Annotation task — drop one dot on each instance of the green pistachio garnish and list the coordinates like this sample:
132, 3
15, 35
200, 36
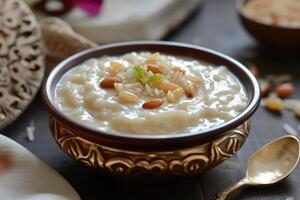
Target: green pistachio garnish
140, 73
154, 77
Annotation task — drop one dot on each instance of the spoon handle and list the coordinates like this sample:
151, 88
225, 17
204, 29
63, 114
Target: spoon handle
228, 192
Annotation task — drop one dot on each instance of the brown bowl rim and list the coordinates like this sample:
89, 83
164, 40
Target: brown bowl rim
150, 142
240, 3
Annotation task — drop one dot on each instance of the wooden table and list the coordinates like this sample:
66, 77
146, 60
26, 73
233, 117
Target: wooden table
214, 25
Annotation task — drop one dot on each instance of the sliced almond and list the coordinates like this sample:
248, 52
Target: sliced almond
152, 104
109, 82
171, 97
191, 89
166, 85
153, 58
197, 79
115, 67
178, 69
128, 97
178, 93
153, 68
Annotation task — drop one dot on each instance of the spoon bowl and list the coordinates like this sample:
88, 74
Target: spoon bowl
270, 164
274, 161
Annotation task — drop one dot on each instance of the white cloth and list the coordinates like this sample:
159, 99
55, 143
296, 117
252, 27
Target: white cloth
28, 178
121, 20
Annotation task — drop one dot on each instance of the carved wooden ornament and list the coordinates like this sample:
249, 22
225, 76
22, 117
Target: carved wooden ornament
22, 64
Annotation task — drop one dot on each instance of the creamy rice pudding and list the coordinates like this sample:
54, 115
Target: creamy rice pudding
144, 93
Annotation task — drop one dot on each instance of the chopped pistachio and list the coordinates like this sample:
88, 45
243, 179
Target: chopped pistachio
140, 73
154, 77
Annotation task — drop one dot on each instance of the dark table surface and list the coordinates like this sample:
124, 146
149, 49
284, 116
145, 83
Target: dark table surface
215, 25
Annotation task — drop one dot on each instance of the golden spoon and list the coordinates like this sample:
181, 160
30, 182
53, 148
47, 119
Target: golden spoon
268, 165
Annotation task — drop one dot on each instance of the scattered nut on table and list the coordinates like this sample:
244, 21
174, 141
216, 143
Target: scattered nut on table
285, 90
274, 104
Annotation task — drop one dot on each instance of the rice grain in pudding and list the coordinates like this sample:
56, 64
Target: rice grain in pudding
144, 93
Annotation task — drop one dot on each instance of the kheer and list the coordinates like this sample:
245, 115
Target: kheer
144, 93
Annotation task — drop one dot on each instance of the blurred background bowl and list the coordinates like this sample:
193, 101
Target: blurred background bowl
277, 37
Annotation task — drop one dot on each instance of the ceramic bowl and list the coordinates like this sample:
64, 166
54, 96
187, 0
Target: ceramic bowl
133, 154
277, 37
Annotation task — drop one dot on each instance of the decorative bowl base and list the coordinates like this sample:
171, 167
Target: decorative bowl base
182, 162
